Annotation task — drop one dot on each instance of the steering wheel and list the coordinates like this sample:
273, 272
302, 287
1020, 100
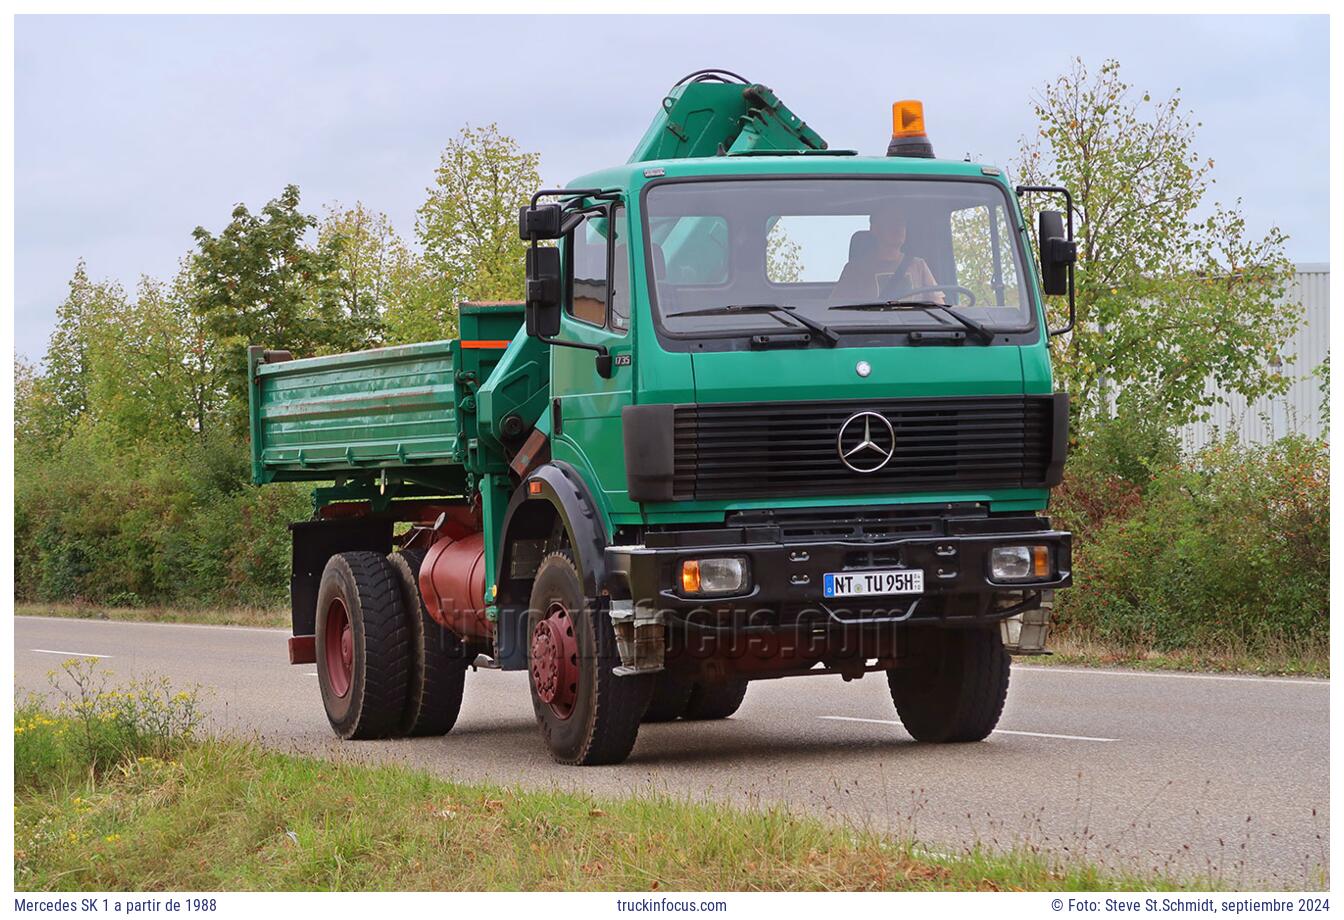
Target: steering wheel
943, 289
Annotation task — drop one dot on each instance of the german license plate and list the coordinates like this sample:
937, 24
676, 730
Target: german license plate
860, 584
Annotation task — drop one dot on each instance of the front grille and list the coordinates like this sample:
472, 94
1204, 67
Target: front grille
754, 450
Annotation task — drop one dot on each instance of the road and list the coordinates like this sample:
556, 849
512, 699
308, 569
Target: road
1179, 773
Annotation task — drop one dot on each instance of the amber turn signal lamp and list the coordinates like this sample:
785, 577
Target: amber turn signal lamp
1040, 561
534, 487
690, 576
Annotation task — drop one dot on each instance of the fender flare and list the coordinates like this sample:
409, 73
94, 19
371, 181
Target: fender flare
562, 487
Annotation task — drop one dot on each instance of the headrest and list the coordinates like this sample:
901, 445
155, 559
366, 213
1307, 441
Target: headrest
862, 246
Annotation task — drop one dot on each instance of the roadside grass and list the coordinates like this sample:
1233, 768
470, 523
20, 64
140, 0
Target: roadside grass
226, 815
117, 792
1283, 656
208, 616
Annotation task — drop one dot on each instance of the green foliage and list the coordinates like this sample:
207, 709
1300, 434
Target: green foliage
783, 257
468, 225
100, 519
1168, 295
132, 479
1231, 545
260, 283
97, 728
1138, 440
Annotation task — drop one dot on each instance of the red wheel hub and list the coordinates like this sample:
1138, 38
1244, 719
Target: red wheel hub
338, 647
555, 661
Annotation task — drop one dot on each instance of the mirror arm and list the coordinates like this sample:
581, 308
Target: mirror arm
604, 366
1068, 217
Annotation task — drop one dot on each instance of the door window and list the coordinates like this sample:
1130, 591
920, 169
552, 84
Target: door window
600, 273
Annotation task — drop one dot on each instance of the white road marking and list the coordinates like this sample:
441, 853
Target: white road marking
997, 731
1179, 675
280, 630
309, 673
52, 651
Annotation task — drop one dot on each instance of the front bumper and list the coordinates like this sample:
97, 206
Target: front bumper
786, 576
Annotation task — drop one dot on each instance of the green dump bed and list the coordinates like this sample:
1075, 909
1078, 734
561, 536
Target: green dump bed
329, 417
408, 410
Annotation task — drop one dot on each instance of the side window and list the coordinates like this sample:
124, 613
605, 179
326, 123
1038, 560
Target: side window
591, 286
588, 270
620, 272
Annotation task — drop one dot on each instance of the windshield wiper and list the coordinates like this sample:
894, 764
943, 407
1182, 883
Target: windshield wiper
986, 336
828, 335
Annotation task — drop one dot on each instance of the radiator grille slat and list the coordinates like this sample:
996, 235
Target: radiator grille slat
753, 450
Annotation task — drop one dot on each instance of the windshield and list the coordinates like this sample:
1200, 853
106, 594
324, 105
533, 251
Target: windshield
858, 256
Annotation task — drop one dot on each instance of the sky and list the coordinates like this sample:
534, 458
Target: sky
133, 130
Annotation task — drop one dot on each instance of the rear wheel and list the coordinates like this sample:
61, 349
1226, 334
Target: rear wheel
438, 663
671, 693
587, 714
363, 646
716, 701
956, 689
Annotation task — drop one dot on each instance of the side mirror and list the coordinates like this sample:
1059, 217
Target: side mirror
540, 221
1058, 252
543, 291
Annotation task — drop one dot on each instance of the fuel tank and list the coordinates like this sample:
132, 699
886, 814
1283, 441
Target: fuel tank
452, 584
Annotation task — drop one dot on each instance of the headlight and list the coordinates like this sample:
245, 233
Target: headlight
1019, 563
718, 575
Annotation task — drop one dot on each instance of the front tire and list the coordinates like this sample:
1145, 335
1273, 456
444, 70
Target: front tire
587, 714
715, 701
363, 646
956, 689
671, 693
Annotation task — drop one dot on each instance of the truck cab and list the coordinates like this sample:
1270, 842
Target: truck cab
770, 409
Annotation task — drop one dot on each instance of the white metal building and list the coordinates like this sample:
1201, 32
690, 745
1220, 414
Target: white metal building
1298, 410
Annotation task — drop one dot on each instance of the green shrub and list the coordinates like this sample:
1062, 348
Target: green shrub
100, 520
1231, 545
96, 728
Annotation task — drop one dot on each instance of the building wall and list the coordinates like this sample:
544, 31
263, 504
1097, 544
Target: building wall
1298, 410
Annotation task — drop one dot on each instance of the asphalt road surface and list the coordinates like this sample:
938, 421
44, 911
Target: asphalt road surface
1181, 773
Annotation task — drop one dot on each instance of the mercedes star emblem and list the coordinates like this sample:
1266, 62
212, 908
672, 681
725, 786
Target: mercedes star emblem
866, 442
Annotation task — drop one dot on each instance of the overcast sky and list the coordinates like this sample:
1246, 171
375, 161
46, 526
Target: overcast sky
131, 131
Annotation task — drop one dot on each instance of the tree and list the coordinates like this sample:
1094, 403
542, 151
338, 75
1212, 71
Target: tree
369, 255
468, 226
260, 283
783, 257
65, 376
1167, 299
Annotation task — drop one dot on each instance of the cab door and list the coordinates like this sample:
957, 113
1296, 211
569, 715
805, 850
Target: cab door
585, 406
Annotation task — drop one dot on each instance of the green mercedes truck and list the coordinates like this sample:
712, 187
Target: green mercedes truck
765, 409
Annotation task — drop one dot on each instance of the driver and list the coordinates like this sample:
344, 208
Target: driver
885, 271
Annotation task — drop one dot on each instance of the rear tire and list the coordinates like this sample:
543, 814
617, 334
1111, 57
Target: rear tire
671, 693
957, 687
363, 646
715, 701
587, 714
438, 663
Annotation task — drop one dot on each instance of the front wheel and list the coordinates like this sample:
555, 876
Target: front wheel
955, 689
587, 714
715, 701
